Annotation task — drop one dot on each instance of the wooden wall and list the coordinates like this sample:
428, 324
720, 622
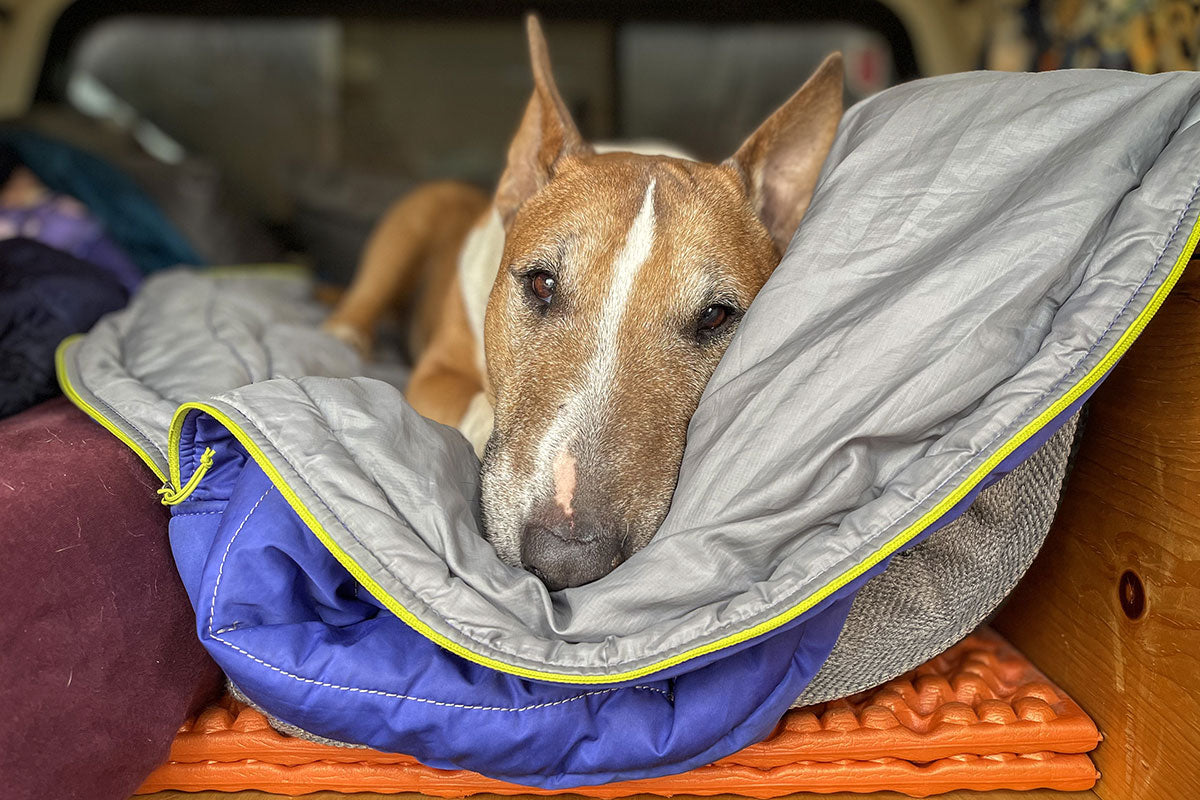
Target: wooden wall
1111, 608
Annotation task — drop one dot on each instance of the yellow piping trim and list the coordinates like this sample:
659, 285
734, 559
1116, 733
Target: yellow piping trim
172, 496
1094, 375
894, 544
60, 369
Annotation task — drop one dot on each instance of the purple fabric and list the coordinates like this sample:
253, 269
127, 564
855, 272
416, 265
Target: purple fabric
300, 638
64, 224
100, 661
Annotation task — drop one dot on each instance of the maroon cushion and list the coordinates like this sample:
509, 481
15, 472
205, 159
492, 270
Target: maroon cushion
99, 661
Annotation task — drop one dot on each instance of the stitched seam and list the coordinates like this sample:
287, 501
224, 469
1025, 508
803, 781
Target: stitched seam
1075, 367
161, 452
209, 323
212, 607
404, 519
463, 706
207, 318
967, 468
215, 636
366, 550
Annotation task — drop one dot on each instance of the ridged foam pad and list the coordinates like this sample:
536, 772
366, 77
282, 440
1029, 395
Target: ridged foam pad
979, 716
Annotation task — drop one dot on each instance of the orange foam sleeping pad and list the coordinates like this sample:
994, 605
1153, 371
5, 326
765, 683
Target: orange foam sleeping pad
980, 716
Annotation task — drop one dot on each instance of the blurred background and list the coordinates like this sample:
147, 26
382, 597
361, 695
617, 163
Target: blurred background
281, 130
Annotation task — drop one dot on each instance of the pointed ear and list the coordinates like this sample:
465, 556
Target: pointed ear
781, 160
545, 136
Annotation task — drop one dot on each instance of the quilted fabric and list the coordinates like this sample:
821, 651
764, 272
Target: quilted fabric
980, 250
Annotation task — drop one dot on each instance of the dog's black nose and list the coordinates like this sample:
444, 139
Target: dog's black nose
565, 551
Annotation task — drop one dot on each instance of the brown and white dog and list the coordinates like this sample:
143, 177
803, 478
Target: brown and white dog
572, 321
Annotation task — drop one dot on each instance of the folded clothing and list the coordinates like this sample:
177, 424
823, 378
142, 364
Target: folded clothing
30, 210
45, 296
129, 216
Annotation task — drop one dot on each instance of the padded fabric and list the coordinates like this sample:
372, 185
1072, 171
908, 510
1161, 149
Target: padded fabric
45, 295
101, 662
979, 252
190, 333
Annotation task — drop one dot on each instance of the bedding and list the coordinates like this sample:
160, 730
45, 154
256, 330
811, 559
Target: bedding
101, 664
45, 296
980, 251
130, 217
29, 210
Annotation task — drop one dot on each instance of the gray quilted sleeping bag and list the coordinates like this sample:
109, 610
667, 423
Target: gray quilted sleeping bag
980, 251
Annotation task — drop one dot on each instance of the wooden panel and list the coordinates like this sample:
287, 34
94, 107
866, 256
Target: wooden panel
1129, 651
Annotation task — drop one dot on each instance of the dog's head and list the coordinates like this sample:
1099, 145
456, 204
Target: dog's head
623, 279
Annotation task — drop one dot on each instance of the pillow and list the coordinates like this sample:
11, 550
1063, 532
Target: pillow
100, 664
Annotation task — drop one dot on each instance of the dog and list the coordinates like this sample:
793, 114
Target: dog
568, 324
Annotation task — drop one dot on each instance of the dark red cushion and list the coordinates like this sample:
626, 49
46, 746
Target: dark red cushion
99, 662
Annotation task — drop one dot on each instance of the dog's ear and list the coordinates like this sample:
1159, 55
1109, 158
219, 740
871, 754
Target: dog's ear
781, 160
546, 133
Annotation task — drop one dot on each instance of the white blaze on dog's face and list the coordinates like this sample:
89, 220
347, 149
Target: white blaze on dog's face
623, 279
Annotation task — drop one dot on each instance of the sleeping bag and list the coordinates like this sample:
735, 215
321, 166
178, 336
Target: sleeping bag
980, 251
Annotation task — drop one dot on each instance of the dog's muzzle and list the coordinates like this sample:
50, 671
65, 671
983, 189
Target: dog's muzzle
565, 551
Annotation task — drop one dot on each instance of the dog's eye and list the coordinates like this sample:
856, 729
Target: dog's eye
541, 285
714, 321
713, 317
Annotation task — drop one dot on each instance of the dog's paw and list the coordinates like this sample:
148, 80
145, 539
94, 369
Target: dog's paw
349, 335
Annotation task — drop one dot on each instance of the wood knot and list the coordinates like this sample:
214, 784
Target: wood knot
1132, 594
